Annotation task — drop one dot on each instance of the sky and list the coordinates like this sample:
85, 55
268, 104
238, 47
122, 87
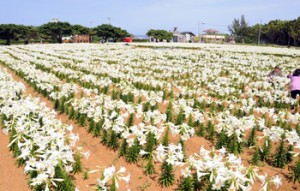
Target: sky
138, 16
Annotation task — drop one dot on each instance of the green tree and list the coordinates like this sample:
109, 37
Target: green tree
56, 30
29, 33
160, 35
107, 31
79, 29
239, 28
277, 32
9, 32
294, 30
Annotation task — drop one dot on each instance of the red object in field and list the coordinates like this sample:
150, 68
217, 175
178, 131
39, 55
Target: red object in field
127, 39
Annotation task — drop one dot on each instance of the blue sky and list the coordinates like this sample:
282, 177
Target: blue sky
138, 16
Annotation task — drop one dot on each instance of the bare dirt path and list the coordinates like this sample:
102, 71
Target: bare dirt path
12, 178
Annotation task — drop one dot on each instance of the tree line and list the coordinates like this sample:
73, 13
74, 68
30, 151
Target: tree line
280, 32
55, 31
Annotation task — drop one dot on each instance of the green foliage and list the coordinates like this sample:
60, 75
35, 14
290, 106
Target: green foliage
200, 129
233, 145
265, 153
113, 186
77, 166
212, 107
164, 95
123, 149
256, 157
97, 130
61, 105
146, 106
14, 146
268, 123
160, 35
295, 174
252, 138
113, 141
82, 119
132, 155
222, 140
107, 32
56, 104
67, 183
239, 113
56, 30
210, 131
195, 105
239, 28
11, 32
66, 108
275, 32
34, 174
130, 120
169, 112
297, 129
80, 30
165, 140
180, 117
104, 137
183, 150
202, 105
280, 156
167, 177
190, 121
149, 168
85, 175
114, 95
72, 113
186, 184
289, 155
40, 187
294, 30
154, 107
221, 107
92, 126
150, 143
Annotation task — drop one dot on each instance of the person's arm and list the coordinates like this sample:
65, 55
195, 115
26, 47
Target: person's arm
270, 74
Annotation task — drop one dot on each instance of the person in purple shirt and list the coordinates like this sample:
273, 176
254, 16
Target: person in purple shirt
295, 84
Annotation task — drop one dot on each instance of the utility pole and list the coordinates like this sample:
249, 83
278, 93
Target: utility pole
108, 18
258, 41
199, 23
91, 26
198, 29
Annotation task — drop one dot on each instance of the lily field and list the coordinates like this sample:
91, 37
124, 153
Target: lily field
149, 116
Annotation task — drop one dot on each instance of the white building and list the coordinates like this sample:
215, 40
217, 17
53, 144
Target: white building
212, 36
182, 36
